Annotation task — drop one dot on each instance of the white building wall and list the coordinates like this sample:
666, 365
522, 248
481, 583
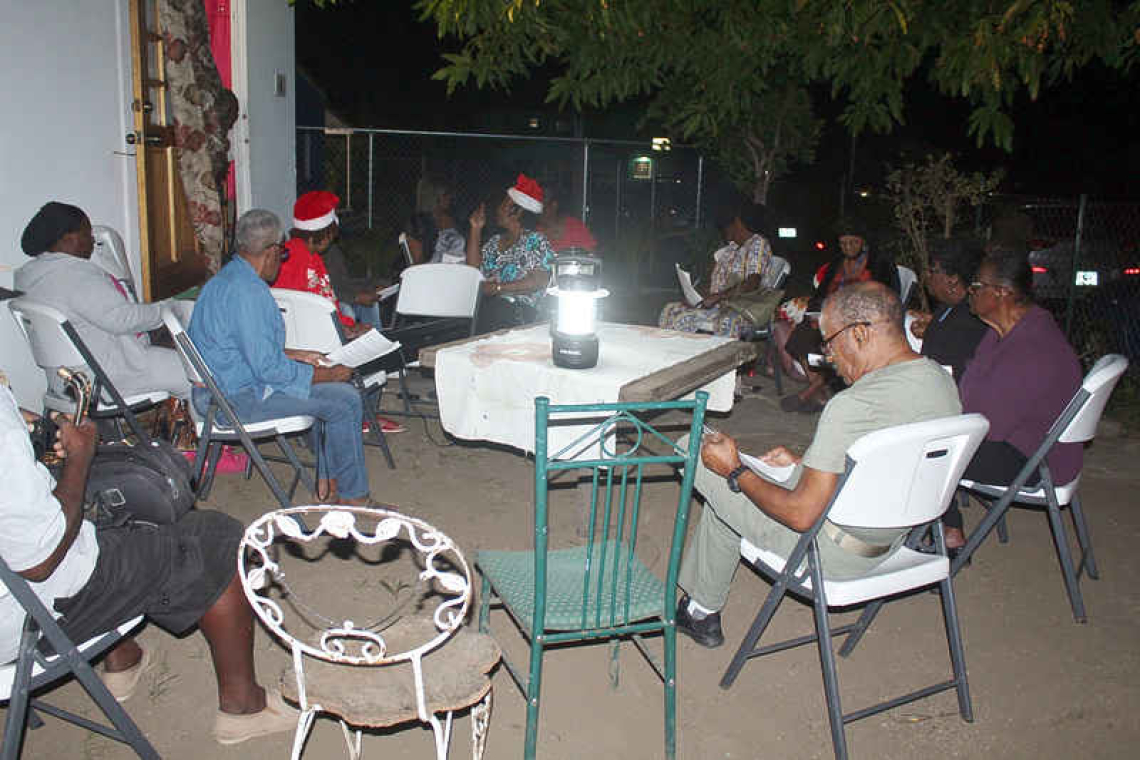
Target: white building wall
65, 90
265, 136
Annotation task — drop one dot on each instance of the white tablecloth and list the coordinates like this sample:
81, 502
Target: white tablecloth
487, 387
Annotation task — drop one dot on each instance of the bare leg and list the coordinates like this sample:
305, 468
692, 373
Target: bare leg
123, 656
228, 628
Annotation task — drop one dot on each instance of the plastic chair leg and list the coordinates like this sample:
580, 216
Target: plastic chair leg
957, 651
1002, 531
1061, 539
372, 407
861, 626
1088, 560
775, 596
827, 663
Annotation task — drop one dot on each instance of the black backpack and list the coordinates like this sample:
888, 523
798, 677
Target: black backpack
147, 482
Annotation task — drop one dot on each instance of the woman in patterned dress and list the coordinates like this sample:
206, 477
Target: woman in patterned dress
739, 267
515, 262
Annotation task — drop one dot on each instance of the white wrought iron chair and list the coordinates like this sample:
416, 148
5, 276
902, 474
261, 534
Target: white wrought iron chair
436, 303
56, 343
1077, 423
213, 430
901, 476
449, 667
32, 671
312, 323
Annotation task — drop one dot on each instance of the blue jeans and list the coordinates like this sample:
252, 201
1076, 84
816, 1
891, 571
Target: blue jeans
339, 413
369, 315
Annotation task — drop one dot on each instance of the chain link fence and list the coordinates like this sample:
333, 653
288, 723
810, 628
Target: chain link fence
641, 205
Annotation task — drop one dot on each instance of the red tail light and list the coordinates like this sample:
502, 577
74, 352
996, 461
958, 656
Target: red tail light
1039, 270
1131, 271
819, 245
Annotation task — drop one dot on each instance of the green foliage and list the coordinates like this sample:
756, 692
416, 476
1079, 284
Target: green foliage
718, 57
927, 197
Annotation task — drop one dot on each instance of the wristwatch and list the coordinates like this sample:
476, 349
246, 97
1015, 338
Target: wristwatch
733, 478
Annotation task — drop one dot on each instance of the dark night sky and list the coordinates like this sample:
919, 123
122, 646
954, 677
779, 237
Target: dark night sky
374, 60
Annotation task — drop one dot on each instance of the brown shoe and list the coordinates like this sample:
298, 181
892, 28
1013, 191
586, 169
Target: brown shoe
277, 717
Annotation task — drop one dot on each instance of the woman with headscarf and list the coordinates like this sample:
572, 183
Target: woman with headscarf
108, 320
516, 262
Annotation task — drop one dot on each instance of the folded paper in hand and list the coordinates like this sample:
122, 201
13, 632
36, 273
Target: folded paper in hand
371, 345
765, 470
692, 297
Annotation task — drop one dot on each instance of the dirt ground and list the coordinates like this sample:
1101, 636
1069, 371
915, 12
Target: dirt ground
1042, 685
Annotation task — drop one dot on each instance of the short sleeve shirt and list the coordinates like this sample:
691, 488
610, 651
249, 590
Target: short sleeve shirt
898, 394
32, 524
531, 251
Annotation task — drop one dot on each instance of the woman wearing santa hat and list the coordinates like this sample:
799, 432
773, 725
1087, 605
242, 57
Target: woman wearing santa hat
315, 228
515, 262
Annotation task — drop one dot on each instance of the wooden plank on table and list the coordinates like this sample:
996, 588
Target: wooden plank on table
674, 382
427, 353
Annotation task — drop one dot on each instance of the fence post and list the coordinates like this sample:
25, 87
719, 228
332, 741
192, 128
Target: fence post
1076, 261
585, 178
370, 135
652, 218
700, 185
348, 170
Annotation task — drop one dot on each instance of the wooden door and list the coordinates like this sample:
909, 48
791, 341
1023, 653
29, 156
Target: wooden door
170, 257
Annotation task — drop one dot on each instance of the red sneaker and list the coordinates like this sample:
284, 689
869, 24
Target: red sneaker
386, 425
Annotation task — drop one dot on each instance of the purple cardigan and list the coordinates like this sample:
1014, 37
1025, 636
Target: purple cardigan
1021, 383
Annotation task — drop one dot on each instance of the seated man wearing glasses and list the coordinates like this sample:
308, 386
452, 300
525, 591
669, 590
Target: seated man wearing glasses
862, 329
239, 331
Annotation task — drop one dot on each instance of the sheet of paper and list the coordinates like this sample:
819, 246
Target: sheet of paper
692, 297
391, 290
760, 467
371, 345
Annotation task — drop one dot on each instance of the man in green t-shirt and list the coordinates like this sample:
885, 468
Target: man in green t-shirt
862, 328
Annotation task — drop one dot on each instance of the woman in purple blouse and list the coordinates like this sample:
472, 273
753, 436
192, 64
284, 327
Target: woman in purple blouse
1022, 375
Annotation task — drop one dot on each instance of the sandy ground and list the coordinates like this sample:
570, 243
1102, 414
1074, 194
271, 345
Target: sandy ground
1043, 686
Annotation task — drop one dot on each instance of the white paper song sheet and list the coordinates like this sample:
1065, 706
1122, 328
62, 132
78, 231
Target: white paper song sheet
371, 345
692, 297
771, 472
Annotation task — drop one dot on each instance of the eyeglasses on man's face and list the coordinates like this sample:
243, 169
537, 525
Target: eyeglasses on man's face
280, 249
840, 331
978, 286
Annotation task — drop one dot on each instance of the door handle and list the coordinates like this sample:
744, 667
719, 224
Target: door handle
133, 139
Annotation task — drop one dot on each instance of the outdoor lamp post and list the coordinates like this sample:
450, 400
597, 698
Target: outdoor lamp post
574, 327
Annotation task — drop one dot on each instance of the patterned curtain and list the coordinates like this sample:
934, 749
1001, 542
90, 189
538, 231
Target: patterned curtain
204, 111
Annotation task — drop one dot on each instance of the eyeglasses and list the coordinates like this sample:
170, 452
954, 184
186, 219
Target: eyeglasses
840, 331
978, 285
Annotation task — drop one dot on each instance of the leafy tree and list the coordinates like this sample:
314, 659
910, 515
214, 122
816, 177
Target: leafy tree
722, 53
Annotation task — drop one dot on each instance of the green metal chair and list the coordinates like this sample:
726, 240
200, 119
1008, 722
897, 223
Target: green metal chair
598, 589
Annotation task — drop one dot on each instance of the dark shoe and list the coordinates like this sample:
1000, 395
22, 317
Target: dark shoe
791, 403
953, 552
705, 631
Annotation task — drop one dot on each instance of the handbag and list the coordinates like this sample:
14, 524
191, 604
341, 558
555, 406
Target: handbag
757, 306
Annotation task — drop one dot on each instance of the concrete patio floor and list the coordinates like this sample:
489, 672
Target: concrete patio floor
1043, 686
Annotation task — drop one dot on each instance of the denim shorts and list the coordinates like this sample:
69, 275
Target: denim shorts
172, 574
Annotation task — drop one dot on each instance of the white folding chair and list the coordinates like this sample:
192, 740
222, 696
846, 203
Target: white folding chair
110, 253
214, 431
898, 477
32, 670
437, 303
55, 343
907, 280
420, 624
1077, 423
312, 324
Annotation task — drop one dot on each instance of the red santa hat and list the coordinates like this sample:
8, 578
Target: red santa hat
315, 210
526, 193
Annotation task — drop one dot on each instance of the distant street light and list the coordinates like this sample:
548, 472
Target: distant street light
662, 144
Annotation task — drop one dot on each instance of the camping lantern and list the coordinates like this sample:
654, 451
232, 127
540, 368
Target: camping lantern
573, 329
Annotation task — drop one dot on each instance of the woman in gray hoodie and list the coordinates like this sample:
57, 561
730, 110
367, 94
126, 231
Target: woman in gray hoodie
112, 325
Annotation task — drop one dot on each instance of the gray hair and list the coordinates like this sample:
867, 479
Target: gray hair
868, 302
256, 230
